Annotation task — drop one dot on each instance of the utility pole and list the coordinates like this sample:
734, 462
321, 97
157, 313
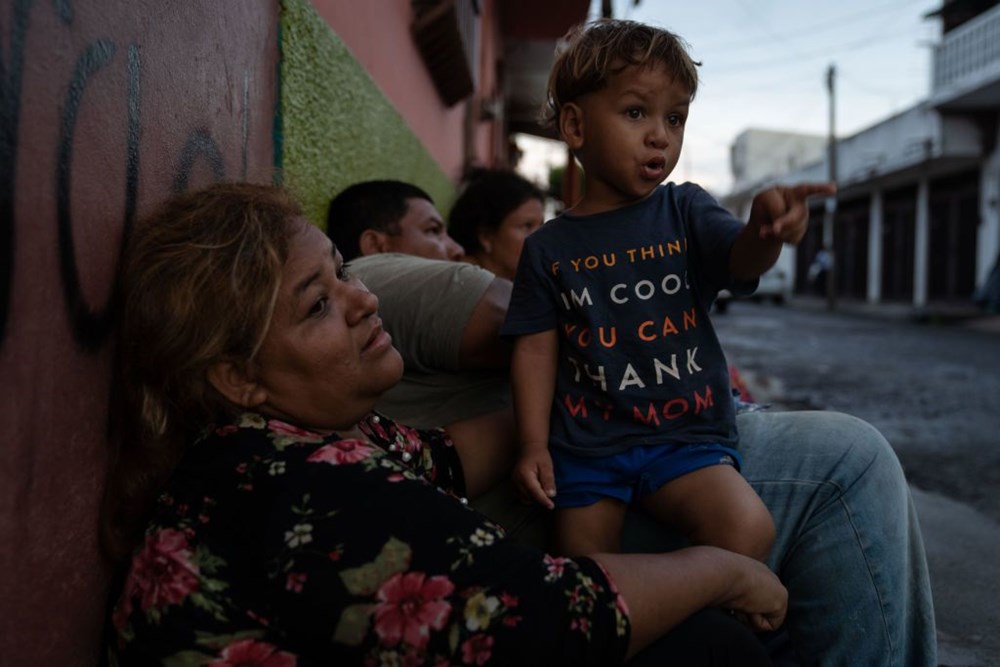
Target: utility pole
607, 12
829, 227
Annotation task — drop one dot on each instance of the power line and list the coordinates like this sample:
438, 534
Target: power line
879, 89
871, 41
809, 31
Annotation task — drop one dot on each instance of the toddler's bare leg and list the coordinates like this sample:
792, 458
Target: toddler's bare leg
597, 528
717, 507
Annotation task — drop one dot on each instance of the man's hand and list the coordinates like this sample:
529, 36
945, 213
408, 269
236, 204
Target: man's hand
781, 212
533, 477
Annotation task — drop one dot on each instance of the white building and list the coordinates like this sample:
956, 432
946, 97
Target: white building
758, 154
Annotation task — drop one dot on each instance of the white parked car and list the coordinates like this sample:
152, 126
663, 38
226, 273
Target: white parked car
775, 286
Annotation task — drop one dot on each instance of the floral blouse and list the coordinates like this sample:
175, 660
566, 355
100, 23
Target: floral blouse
275, 546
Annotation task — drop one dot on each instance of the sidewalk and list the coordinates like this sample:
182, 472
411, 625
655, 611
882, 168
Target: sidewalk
958, 314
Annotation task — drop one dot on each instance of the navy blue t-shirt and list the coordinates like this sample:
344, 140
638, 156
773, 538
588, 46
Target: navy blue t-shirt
629, 292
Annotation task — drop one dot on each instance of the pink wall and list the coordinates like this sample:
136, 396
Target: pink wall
109, 107
378, 34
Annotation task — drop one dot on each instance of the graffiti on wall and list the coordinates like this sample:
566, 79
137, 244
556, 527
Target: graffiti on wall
90, 323
105, 109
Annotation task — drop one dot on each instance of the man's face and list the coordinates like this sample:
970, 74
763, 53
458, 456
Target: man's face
422, 232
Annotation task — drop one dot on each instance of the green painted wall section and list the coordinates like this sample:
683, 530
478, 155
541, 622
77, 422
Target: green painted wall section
336, 127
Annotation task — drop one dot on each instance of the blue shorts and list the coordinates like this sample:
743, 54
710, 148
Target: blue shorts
632, 474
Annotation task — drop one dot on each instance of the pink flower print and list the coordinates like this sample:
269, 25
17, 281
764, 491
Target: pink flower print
508, 601
258, 618
292, 432
408, 437
556, 567
477, 649
227, 429
375, 425
395, 477
295, 581
252, 653
613, 587
162, 573
342, 452
410, 606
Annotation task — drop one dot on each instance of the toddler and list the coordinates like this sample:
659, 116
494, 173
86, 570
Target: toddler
621, 388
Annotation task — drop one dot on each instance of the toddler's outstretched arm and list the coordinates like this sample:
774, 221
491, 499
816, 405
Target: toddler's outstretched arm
778, 215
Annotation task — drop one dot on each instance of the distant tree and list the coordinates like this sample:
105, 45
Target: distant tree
556, 175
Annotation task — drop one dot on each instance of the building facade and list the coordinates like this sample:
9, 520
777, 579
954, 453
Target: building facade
917, 218
758, 154
416, 90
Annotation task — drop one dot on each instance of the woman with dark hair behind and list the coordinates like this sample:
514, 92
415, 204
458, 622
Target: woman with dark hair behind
495, 210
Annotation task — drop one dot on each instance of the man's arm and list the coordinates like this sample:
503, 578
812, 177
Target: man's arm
482, 347
443, 316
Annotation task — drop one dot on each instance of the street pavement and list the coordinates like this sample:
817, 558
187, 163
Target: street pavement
961, 543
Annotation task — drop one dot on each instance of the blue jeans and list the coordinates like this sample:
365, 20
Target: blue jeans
848, 546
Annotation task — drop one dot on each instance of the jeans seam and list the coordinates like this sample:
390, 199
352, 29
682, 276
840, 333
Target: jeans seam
871, 574
838, 497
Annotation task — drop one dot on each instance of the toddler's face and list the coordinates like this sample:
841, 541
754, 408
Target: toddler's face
630, 135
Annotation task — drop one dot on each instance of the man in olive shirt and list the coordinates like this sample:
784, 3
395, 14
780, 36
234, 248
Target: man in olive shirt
444, 316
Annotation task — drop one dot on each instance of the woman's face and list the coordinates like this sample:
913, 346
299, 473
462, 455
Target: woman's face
502, 247
325, 359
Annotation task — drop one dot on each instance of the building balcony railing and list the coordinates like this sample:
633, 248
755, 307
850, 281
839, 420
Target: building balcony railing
969, 54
